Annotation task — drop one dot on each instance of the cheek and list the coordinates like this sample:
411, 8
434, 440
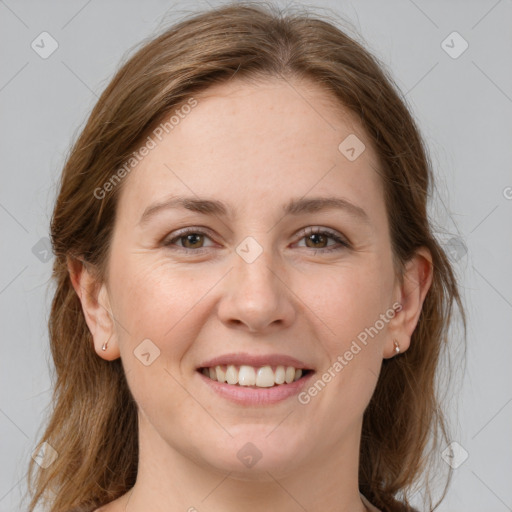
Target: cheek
154, 295
156, 309
163, 302
347, 300
349, 305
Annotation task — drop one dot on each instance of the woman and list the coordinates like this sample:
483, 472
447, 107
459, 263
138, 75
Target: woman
250, 303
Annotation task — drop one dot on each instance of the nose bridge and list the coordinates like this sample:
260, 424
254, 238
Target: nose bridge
254, 267
256, 296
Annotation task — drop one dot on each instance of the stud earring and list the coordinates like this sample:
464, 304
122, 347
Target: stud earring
397, 346
104, 346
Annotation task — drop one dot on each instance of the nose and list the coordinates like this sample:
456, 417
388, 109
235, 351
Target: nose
256, 296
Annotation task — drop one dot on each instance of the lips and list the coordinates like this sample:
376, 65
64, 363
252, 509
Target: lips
254, 371
254, 395
257, 361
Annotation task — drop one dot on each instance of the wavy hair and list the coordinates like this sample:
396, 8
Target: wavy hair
93, 420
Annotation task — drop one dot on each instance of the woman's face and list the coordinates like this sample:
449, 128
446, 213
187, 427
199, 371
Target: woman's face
245, 172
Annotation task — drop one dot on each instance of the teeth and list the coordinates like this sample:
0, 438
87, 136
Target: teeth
280, 375
221, 374
290, 374
231, 375
263, 377
247, 376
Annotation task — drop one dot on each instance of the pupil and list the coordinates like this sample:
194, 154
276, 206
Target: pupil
191, 237
315, 235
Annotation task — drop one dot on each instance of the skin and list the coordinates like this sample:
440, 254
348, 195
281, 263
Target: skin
253, 146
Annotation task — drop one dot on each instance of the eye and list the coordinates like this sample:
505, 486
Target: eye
191, 240
318, 237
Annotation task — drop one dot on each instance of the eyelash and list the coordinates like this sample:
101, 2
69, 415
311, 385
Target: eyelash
308, 232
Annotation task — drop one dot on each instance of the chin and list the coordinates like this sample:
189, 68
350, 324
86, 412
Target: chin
253, 455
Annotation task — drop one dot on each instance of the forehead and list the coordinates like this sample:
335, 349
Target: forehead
258, 144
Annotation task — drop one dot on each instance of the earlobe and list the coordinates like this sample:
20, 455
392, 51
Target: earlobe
411, 294
395, 348
95, 302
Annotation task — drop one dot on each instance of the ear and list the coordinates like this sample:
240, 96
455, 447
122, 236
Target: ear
96, 307
410, 294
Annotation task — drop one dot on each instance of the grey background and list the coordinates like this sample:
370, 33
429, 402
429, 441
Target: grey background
464, 109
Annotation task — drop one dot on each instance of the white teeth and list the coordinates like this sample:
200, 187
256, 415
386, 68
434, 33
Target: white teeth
290, 374
221, 374
280, 375
265, 378
231, 375
245, 375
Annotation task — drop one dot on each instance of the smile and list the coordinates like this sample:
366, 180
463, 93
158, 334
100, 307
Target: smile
250, 376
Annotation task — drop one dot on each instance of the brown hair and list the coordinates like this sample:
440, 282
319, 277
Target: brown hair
93, 424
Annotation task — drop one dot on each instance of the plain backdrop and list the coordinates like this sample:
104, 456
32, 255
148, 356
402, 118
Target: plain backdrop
461, 97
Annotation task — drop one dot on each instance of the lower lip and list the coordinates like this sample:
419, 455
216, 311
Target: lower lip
245, 395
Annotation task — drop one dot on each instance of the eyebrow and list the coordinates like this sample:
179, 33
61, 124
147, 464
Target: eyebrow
213, 207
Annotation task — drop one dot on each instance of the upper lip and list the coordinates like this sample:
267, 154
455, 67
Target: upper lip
239, 359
